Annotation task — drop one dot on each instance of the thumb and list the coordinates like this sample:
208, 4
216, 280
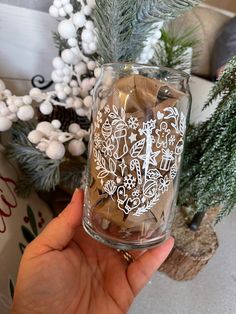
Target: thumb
60, 230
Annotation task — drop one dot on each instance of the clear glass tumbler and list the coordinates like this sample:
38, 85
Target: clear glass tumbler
137, 139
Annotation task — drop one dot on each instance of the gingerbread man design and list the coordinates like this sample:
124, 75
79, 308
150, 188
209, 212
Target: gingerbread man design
162, 134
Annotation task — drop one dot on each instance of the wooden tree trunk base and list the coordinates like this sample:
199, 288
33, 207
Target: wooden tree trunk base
192, 250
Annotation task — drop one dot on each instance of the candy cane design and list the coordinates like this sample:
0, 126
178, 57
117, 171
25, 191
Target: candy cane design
134, 164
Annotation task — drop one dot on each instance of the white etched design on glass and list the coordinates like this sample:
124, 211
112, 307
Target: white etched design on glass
136, 176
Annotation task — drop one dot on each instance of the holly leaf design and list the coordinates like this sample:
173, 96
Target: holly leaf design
112, 165
28, 235
32, 220
137, 148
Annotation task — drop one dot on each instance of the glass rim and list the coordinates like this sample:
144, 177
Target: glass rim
157, 67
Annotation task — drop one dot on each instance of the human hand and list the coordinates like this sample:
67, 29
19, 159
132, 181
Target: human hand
65, 271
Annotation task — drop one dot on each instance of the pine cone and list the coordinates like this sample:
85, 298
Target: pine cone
66, 117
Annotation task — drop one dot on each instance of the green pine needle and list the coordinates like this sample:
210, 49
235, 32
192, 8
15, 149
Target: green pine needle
209, 170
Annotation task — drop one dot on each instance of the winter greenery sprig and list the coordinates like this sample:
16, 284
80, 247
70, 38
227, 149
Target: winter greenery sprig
209, 170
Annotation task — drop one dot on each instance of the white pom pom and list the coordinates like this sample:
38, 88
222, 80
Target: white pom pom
12, 108
53, 11
58, 63
86, 85
4, 111
74, 83
87, 35
64, 2
25, 113
35, 93
78, 103
70, 102
97, 72
79, 19
89, 25
66, 79
5, 124
62, 12
67, 71
74, 128
2, 86
91, 3
92, 47
57, 3
55, 77
42, 146
61, 95
27, 100
45, 127
67, 56
87, 10
66, 29
81, 68
88, 101
75, 91
91, 65
55, 150
35, 136
56, 124
67, 90
72, 42
46, 108
68, 8
59, 88
93, 81
7, 93
82, 112
18, 102
76, 147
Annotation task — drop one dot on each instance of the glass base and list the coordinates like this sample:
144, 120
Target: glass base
122, 244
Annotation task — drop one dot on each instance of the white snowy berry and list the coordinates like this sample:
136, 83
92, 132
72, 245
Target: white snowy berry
78, 103
59, 87
25, 113
67, 90
66, 29
67, 71
57, 3
18, 102
45, 127
46, 108
76, 147
86, 84
75, 91
74, 83
62, 12
72, 42
92, 81
68, 8
74, 128
70, 102
58, 63
42, 146
87, 10
5, 124
4, 111
27, 100
56, 78
81, 68
56, 124
56, 150
53, 11
97, 72
79, 20
35, 136
68, 56
36, 94
66, 79
88, 101
91, 65
89, 25
91, 3
2, 86
12, 108
87, 35
61, 95
64, 2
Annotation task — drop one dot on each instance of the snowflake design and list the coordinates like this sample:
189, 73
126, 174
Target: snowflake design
133, 122
97, 141
135, 193
107, 148
164, 184
107, 109
129, 182
173, 171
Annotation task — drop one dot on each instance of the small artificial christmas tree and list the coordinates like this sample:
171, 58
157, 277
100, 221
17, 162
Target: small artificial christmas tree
208, 182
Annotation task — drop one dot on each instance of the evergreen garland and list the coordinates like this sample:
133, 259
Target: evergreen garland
209, 170
40, 172
123, 26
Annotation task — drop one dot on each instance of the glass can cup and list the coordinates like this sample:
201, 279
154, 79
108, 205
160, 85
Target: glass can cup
137, 139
